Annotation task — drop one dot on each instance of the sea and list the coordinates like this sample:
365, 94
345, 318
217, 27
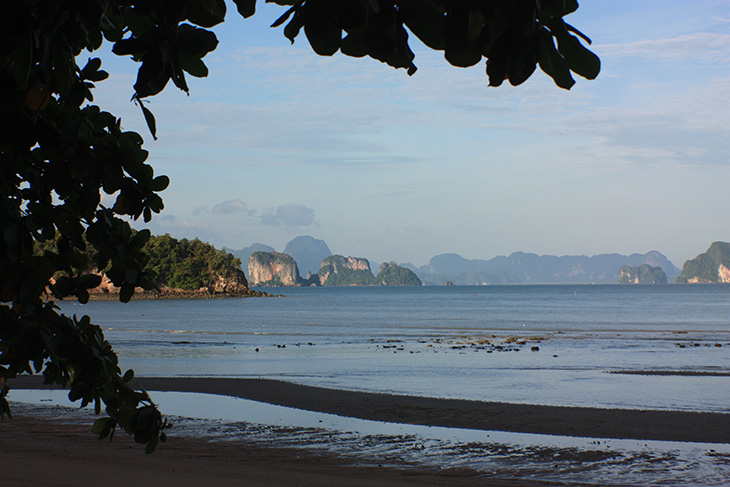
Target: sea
655, 347
664, 347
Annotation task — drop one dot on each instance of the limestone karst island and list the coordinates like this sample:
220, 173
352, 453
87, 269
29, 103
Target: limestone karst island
191, 268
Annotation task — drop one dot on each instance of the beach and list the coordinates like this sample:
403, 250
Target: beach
687, 426
54, 446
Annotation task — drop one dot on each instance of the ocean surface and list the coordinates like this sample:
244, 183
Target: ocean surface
649, 347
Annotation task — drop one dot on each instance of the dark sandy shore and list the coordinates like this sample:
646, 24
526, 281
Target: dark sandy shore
55, 448
522, 418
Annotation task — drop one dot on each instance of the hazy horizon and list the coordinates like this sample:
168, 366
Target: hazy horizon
279, 142
420, 264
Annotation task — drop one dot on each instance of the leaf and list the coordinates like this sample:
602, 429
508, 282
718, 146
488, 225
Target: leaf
206, 13
354, 45
245, 7
197, 42
22, 57
178, 76
92, 65
154, 203
551, 62
152, 445
62, 287
285, 16
579, 59
100, 75
129, 375
291, 31
103, 427
132, 45
126, 292
461, 48
498, 57
323, 35
426, 21
193, 65
149, 118
154, 73
521, 62
401, 56
5, 408
139, 239
558, 8
75, 393
352, 16
578, 33
89, 281
131, 275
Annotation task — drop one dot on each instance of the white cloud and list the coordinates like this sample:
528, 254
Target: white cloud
706, 47
289, 215
230, 206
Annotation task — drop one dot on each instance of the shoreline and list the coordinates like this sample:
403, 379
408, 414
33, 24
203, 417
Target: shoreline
175, 294
54, 446
686, 426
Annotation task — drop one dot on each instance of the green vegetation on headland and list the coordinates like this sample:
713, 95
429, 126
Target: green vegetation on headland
712, 266
179, 268
189, 264
643, 274
391, 274
338, 270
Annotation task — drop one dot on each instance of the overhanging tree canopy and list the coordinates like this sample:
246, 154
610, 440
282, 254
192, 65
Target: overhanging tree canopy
59, 152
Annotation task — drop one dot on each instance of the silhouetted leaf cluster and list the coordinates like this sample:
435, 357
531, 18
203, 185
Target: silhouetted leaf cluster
514, 36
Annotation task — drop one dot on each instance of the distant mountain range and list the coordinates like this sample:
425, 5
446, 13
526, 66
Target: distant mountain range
308, 252
517, 268
526, 268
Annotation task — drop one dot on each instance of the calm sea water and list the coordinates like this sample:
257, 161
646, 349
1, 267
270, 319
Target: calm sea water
561, 345
658, 347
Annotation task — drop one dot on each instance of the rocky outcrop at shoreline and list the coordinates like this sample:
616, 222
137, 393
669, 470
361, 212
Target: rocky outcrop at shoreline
173, 293
220, 287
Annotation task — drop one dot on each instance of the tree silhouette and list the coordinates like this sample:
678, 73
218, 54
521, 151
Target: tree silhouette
59, 153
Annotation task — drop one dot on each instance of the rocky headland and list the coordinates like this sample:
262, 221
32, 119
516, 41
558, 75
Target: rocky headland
713, 266
273, 269
643, 274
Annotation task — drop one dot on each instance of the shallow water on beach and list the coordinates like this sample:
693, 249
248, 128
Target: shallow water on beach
486, 454
656, 347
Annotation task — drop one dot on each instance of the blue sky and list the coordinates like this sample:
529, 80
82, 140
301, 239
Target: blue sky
279, 142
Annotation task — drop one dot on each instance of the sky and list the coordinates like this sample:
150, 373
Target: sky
279, 142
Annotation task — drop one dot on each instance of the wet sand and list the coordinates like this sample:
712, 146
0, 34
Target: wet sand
520, 418
55, 448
